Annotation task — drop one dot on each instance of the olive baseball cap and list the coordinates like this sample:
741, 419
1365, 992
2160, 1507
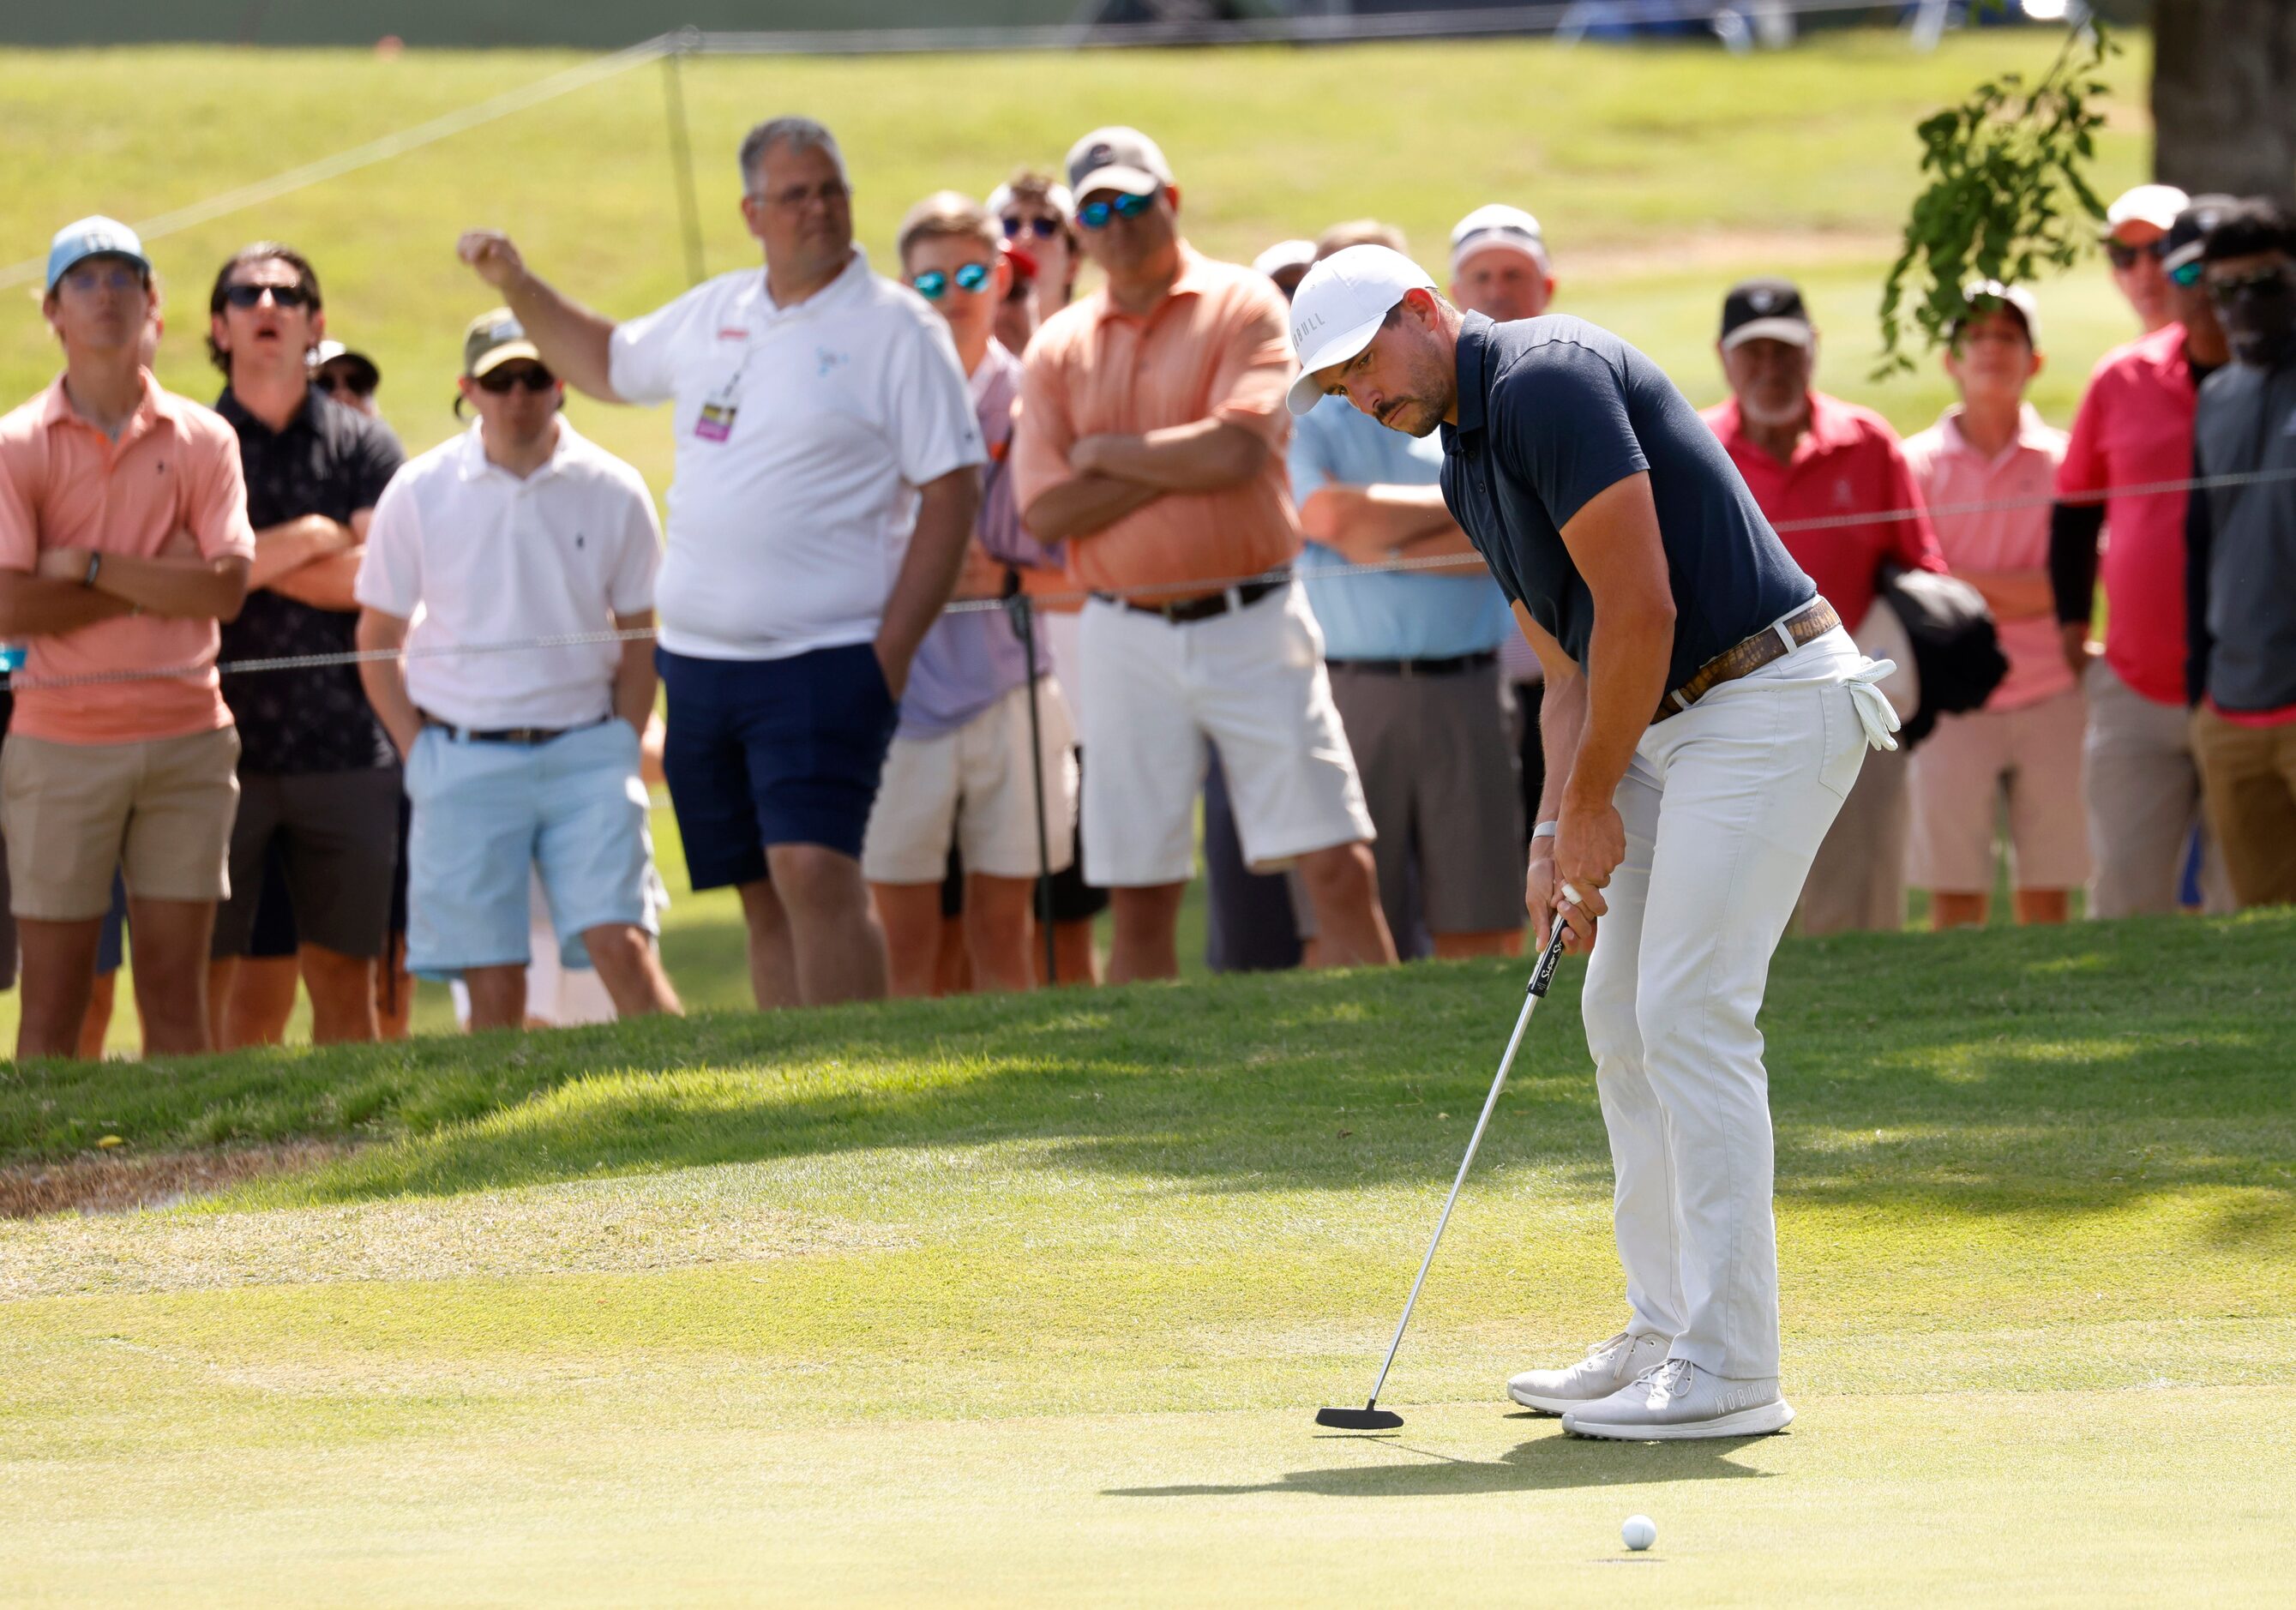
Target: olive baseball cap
493, 339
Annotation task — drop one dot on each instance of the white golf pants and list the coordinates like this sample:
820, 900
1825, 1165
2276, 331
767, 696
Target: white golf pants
1725, 805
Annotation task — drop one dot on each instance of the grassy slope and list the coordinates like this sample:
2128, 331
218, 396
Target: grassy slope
1028, 1299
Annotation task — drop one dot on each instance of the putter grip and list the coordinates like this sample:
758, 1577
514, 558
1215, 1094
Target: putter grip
1542, 975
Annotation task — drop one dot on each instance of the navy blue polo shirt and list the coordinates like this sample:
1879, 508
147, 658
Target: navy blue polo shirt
1553, 410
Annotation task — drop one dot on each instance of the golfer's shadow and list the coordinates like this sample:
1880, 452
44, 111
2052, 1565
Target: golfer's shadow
1554, 1461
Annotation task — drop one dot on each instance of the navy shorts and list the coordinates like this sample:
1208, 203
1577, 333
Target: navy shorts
772, 752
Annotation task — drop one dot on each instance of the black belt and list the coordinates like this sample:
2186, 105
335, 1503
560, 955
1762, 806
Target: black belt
1457, 665
1182, 611
1750, 654
525, 735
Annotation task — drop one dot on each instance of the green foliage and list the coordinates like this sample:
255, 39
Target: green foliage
2008, 192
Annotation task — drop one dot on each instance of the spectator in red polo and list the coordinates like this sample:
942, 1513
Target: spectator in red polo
1833, 478
2134, 430
2136, 239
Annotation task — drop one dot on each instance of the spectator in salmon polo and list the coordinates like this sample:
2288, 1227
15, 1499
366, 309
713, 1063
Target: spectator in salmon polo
1988, 470
2134, 429
518, 529
1150, 439
1037, 213
2136, 239
2241, 608
123, 541
1413, 663
826, 482
961, 759
317, 777
1816, 464
1500, 269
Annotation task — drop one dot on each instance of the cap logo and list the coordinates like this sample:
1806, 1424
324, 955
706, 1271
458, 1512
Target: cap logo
1307, 326
1762, 301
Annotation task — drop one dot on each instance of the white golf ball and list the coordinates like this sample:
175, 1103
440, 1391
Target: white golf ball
1638, 1533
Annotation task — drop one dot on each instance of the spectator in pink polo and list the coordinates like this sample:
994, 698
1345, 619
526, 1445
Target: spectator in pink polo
1986, 470
2134, 430
123, 541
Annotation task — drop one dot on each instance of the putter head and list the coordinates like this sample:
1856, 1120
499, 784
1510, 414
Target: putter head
1366, 1418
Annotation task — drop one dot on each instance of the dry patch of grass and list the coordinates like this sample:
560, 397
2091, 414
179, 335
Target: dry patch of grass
123, 1182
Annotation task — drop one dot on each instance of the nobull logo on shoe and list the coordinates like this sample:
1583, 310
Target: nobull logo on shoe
1738, 1397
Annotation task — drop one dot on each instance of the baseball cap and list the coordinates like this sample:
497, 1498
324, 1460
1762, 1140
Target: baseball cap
2155, 204
493, 339
1057, 196
93, 236
2015, 298
1338, 307
1117, 159
2189, 229
1765, 309
327, 351
1283, 255
1498, 226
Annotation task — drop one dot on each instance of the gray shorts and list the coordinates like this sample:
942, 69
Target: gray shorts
1439, 775
338, 835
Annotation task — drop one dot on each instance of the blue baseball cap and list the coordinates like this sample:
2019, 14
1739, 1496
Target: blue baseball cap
96, 236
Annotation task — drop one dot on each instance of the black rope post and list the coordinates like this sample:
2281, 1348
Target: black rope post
681, 149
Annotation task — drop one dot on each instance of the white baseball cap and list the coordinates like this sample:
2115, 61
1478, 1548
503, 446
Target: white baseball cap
1340, 307
1056, 197
2155, 204
2015, 298
1118, 158
1283, 255
1501, 226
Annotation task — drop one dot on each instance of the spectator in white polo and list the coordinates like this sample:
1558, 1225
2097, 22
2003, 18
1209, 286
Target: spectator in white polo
518, 529
1988, 470
826, 482
1413, 662
1501, 267
962, 759
1152, 439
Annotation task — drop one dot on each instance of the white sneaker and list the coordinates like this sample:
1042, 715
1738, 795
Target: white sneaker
1678, 1400
1607, 1367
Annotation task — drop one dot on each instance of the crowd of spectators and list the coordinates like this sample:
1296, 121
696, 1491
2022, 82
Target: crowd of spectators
977, 596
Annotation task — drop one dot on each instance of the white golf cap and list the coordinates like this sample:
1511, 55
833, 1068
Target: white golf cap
2155, 204
1340, 307
1498, 226
1283, 255
1056, 197
1118, 158
2015, 298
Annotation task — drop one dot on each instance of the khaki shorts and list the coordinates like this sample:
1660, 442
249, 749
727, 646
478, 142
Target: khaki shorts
1973, 764
160, 812
975, 787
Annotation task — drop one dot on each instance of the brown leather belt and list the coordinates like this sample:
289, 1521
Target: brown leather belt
1813, 620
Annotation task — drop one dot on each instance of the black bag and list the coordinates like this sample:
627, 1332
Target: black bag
1956, 653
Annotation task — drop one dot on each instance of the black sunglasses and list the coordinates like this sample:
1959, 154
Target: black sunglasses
1094, 214
1044, 229
284, 296
932, 284
534, 377
2263, 282
341, 385
2125, 256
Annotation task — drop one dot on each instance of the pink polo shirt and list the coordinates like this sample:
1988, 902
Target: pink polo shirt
2012, 535
65, 484
2134, 429
1848, 464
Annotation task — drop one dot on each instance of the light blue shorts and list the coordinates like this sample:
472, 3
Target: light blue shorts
573, 808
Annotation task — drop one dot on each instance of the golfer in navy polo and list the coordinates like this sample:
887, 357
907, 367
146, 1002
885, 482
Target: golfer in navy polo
1705, 716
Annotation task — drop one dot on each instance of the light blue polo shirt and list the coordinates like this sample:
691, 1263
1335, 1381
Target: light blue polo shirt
1404, 615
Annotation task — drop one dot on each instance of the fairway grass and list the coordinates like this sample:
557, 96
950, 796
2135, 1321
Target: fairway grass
1030, 1300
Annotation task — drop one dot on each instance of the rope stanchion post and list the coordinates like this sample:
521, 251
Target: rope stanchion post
681, 148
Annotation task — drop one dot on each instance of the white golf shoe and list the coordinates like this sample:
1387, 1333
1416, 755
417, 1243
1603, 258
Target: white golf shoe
1676, 1401
1607, 1367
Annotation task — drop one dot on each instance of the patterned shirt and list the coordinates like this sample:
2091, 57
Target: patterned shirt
332, 461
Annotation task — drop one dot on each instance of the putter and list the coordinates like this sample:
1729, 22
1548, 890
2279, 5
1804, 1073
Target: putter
1371, 1417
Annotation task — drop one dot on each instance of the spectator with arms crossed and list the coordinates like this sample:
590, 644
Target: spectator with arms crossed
123, 541
827, 482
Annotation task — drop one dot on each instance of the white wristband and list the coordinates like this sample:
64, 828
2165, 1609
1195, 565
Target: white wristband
1545, 830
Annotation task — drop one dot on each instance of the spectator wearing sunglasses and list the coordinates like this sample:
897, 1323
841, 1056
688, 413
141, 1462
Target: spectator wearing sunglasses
1037, 213
351, 378
2136, 239
2240, 601
1151, 438
123, 541
527, 764
962, 761
2134, 429
827, 477
1016, 311
319, 781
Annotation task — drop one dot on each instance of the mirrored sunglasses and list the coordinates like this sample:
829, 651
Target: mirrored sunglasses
934, 285
1094, 214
